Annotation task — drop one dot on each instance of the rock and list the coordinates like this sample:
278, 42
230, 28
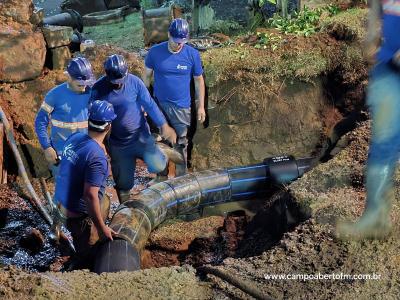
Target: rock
18, 10
57, 36
23, 55
37, 16
60, 57
32, 240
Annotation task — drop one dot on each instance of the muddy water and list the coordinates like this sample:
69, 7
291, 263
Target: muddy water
15, 222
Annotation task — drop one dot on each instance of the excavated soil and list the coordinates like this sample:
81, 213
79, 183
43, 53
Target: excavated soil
292, 233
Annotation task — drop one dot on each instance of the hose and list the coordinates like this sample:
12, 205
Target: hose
240, 283
34, 199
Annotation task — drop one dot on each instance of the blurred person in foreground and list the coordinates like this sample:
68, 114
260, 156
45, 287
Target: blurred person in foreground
383, 99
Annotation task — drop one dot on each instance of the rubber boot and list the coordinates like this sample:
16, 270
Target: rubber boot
375, 222
123, 195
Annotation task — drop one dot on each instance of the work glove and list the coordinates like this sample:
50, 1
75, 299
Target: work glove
51, 155
168, 133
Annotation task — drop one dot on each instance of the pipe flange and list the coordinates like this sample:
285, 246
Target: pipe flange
77, 18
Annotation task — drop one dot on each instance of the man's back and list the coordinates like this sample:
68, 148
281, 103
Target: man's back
83, 161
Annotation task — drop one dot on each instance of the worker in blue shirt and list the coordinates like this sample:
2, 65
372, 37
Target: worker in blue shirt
130, 136
383, 99
80, 185
173, 64
65, 107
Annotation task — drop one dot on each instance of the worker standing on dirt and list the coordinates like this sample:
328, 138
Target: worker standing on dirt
383, 98
65, 107
80, 186
130, 137
173, 64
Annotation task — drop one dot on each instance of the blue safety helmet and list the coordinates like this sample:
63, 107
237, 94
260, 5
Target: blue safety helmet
101, 113
80, 69
179, 30
116, 68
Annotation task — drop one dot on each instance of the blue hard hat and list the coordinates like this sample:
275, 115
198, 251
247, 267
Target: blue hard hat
179, 30
116, 68
80, 69
101, 111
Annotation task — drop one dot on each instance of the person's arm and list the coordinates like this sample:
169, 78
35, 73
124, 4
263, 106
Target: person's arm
91, 196
373, 36
147, 76
42, 121
96, 171
199, 85
148, 69
200, 93
152, 109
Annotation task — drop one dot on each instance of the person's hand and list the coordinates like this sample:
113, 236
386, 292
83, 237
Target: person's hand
201, 114
168, 133
50, 155
108, 232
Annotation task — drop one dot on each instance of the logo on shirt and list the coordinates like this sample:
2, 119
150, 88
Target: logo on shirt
66, 108
180, 67
70, 154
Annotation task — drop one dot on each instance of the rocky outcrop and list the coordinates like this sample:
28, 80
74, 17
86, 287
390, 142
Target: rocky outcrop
23, 49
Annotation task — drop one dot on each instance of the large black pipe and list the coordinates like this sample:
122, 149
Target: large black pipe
70, 18
135, 219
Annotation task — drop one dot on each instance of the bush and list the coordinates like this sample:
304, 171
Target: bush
227, 27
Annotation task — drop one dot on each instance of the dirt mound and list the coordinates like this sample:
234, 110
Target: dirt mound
163, 283
325, 194
98, 55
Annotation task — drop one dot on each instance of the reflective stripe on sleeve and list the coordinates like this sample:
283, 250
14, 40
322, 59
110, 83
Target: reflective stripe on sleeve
47, 108
72, 125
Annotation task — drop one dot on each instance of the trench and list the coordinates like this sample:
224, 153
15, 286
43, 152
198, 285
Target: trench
239, 229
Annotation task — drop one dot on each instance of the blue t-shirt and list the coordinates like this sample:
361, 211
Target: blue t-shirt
390, 30
128, 101
173, 72
67, 111
83, 160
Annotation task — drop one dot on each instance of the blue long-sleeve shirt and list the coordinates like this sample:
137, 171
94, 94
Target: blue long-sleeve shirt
130, 124
67, 111
390, 30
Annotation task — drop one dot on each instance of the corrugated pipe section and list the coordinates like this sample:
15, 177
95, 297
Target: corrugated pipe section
135, 219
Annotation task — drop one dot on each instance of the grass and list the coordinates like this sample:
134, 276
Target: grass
127, 34
354, 18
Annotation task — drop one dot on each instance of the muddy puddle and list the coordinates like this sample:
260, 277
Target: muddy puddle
24, 236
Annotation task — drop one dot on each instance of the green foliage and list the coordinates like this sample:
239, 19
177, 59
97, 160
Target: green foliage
268, 40
257, 21
262, 2
227, 27
303, 23
148, 4
332, 9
